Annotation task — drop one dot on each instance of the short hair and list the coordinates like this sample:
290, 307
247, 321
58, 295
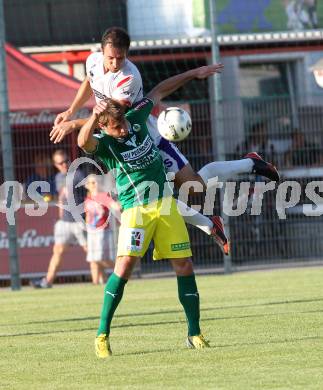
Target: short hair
42, 158
59, 152
116, 37
114, 110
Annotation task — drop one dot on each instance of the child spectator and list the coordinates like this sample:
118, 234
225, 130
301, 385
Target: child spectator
101, 248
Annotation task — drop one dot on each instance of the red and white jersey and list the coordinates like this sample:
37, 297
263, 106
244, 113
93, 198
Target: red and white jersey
124, 86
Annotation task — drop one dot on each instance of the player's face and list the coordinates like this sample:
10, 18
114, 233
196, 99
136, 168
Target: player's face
113, 58
116, 129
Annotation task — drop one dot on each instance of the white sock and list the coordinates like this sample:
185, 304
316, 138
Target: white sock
225, 170
195, 218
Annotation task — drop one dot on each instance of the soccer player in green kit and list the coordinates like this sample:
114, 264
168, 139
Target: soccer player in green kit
149, 210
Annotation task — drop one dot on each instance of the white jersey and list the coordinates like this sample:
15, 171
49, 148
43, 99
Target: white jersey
124, 85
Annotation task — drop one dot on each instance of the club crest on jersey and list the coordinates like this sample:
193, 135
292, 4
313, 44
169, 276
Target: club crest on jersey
132, 141
136, 127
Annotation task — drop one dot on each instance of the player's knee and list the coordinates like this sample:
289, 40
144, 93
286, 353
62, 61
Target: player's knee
183, 267
124, 266
190, 182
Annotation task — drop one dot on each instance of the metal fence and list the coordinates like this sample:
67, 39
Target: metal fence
270, 105
256, 239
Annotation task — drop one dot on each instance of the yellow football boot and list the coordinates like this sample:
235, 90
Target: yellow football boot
197, 342
102, 346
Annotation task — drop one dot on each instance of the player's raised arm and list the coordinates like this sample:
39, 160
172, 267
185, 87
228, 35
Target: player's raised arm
171, 84
82, 96
85, 139
62, 125
59, 131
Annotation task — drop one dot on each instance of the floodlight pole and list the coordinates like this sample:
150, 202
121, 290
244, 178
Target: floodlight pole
217, 116
6, 148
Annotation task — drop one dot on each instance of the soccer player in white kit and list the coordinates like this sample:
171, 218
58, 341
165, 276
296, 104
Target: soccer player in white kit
111, 74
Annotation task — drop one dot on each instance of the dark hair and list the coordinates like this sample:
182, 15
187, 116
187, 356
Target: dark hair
114, 110
116, 37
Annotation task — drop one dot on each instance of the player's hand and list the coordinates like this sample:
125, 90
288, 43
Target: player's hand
208, 70
99, 108
63, 117
60, 130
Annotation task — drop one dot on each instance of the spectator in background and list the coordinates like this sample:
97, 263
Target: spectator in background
101, 245
258, 141
66, 230
43, 172
302, 152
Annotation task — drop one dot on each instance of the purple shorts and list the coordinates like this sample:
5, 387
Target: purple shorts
173, 159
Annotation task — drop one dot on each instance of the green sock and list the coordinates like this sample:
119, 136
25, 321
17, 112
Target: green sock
189, 298
113, 292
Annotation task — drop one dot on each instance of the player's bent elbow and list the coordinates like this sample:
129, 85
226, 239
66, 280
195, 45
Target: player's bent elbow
80, 142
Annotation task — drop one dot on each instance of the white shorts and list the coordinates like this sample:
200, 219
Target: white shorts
100, 245
69, 233
173, 159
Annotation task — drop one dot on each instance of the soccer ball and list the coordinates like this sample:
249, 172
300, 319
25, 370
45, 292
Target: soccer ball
174, 124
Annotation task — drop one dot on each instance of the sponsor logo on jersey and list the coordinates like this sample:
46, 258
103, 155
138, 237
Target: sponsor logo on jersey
139, 151
141, 104
98, 94
135, 239
180, 246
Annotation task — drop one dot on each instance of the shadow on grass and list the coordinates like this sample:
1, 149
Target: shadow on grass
177, 311
234, 345
133, 325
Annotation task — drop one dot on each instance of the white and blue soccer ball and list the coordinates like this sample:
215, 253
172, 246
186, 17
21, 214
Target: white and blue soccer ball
174, 124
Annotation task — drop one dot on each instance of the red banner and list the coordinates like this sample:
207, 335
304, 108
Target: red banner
36, 239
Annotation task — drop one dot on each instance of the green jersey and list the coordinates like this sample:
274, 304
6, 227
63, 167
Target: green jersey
135, 160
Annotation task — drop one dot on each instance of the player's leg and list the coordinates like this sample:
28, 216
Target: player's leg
113, 293
133, 241
224, 170
176, 162
213, 226
188, 293
176, 247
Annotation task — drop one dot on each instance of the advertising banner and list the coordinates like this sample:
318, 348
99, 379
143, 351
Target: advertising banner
243, 16
35, 235
165, 19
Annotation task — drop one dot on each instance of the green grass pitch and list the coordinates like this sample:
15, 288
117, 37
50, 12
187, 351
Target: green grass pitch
265, 329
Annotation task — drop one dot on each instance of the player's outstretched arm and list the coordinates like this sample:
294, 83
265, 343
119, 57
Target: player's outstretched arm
85, 139
171, 84
82, 96
59, 131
